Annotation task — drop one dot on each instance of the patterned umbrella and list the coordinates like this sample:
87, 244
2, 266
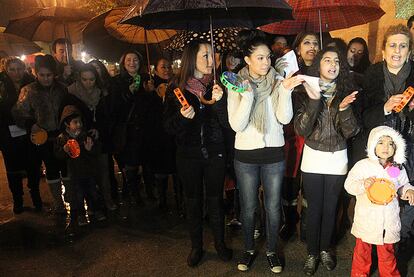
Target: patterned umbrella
404, 9
325, 16
224, 39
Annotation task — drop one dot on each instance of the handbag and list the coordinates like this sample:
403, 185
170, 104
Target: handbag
119, 135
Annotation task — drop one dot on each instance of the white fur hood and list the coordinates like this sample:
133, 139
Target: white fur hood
377, 133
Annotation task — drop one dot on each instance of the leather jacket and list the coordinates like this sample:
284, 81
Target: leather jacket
324, 127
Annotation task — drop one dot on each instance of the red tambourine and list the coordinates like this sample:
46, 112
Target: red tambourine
74, 148
407, 95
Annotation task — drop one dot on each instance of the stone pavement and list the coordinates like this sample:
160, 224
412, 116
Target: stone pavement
150, 243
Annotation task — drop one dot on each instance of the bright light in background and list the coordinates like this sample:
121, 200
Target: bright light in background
83, 56
23, 57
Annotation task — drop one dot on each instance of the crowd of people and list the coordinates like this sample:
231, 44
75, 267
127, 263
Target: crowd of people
281, 151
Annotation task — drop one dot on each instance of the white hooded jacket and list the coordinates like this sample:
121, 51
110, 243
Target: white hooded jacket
373, 223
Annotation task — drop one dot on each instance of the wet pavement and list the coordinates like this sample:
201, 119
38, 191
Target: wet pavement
149, 243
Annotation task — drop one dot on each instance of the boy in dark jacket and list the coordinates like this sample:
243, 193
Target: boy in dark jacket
80, 151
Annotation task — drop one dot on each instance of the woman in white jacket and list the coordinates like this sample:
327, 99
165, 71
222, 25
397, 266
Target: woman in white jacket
257, 116
378, 224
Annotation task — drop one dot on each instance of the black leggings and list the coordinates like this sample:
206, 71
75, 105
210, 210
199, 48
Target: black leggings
322, 193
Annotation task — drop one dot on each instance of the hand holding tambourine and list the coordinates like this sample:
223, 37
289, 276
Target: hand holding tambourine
38, 135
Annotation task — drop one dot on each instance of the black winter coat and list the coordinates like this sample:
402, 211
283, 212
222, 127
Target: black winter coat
140, 125
206, 128
8, 98
373, 113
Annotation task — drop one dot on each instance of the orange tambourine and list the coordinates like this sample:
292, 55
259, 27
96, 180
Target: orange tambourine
407, 94
381, 192
74, 149
39, 137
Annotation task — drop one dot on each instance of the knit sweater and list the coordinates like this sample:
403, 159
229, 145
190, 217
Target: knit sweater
247, 136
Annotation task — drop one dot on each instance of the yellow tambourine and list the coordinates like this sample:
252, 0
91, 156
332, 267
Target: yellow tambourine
381, 192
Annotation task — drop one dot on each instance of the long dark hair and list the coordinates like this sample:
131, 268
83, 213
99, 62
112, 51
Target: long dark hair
188, 62
295, 46
344, 81
105, 77
364, 62
249, 40
90, 68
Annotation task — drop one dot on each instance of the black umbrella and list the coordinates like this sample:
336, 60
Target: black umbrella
100, 43
194, 15
200, 15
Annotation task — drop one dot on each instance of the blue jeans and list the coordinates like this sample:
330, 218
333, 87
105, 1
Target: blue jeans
249, 179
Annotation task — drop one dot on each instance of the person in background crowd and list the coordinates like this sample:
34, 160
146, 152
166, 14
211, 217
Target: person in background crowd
326, 120
37, 111
358, 55
65, 70
410, 25
384, 83
163, 156
257, 116
200, 146
105, 80
18, 152
279, 45
131, 104
338, 43
306, 46
89, 96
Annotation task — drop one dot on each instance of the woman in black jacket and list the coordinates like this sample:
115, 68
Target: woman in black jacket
200, 145
326, 120
88, 95
18, 152
384, 83
131, 104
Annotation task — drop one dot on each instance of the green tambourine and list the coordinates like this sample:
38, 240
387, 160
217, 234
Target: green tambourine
232, 81
137, 80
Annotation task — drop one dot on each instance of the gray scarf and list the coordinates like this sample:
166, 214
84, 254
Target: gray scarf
91, 99
395, 84
263, 87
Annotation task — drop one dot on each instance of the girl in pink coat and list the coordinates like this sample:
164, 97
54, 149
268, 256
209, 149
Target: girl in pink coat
378, 224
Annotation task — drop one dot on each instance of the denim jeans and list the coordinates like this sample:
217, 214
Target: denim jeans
249, 179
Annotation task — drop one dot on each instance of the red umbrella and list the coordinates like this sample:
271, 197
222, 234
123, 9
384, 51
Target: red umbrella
325, 15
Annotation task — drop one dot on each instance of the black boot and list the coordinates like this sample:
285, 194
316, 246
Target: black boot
16, 188
216, 217
162, 188
195, 227
291, 218
36, 200
303, 224
132, 179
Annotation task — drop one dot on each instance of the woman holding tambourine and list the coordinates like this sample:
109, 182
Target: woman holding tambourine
196, 117
257, 115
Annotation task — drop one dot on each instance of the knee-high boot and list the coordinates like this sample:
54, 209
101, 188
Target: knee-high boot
195, 228
132, 179
16, 187
55, 187
216, 216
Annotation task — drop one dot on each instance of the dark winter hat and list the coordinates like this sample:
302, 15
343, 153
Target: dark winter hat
69, 112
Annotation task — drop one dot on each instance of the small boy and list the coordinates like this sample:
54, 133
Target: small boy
81, 165
374, 223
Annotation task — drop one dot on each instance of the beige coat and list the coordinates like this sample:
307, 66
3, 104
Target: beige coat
373, 223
